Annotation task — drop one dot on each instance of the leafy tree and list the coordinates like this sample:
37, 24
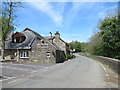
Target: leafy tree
107, 41
75, 45
110, 33
95, 45
7, 18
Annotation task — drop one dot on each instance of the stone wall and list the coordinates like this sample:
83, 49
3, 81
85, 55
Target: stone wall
39, 53
61, 44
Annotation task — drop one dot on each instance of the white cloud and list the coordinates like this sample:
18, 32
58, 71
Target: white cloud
48, 9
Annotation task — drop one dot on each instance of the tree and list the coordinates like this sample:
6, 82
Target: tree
95, 45
110, 33
106, 42
75, 45
7, 17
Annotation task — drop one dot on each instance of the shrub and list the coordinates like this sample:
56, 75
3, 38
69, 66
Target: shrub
117, 57
69, 56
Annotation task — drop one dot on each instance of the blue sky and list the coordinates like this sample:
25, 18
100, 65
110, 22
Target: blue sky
74, 20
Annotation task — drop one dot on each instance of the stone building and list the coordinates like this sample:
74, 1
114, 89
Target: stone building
30, 46
59, 42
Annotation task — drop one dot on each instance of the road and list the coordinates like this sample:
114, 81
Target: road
80, 72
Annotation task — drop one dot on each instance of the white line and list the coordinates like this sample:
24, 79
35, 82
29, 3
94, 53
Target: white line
7, 79
12, 81
103, 67
34, 71
107, 75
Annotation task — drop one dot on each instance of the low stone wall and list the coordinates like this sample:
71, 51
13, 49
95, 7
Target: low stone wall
112, 63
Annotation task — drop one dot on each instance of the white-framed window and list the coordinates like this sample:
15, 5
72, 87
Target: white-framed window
24, 54
48, 55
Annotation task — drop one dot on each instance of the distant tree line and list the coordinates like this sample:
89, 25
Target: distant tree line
106, 42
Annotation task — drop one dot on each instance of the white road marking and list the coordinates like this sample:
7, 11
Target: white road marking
8, 78
13, 81
107, 75
34, 71
103, 67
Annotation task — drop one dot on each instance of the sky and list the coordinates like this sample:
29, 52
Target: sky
74, 20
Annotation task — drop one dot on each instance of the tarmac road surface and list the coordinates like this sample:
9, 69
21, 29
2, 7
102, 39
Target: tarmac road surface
81, 72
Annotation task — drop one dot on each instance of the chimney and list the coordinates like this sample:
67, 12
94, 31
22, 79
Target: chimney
57, 34
51, 39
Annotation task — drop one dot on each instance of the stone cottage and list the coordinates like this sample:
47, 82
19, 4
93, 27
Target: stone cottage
59, 42
30, 46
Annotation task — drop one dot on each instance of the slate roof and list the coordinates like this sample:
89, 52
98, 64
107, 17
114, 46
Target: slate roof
53, 37
55, 46
31, 39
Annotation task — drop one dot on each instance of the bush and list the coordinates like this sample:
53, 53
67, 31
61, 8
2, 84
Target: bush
117, 57
69, 56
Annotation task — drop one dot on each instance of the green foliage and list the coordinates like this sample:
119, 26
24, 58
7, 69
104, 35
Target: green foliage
0, 34
69, 56
95, 45
110, 33
107, 41
75, 45
8, 16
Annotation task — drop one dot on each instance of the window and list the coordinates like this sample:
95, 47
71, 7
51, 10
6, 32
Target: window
24, 54
48, 55
18, 39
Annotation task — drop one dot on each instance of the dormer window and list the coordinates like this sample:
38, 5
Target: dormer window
18, 38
